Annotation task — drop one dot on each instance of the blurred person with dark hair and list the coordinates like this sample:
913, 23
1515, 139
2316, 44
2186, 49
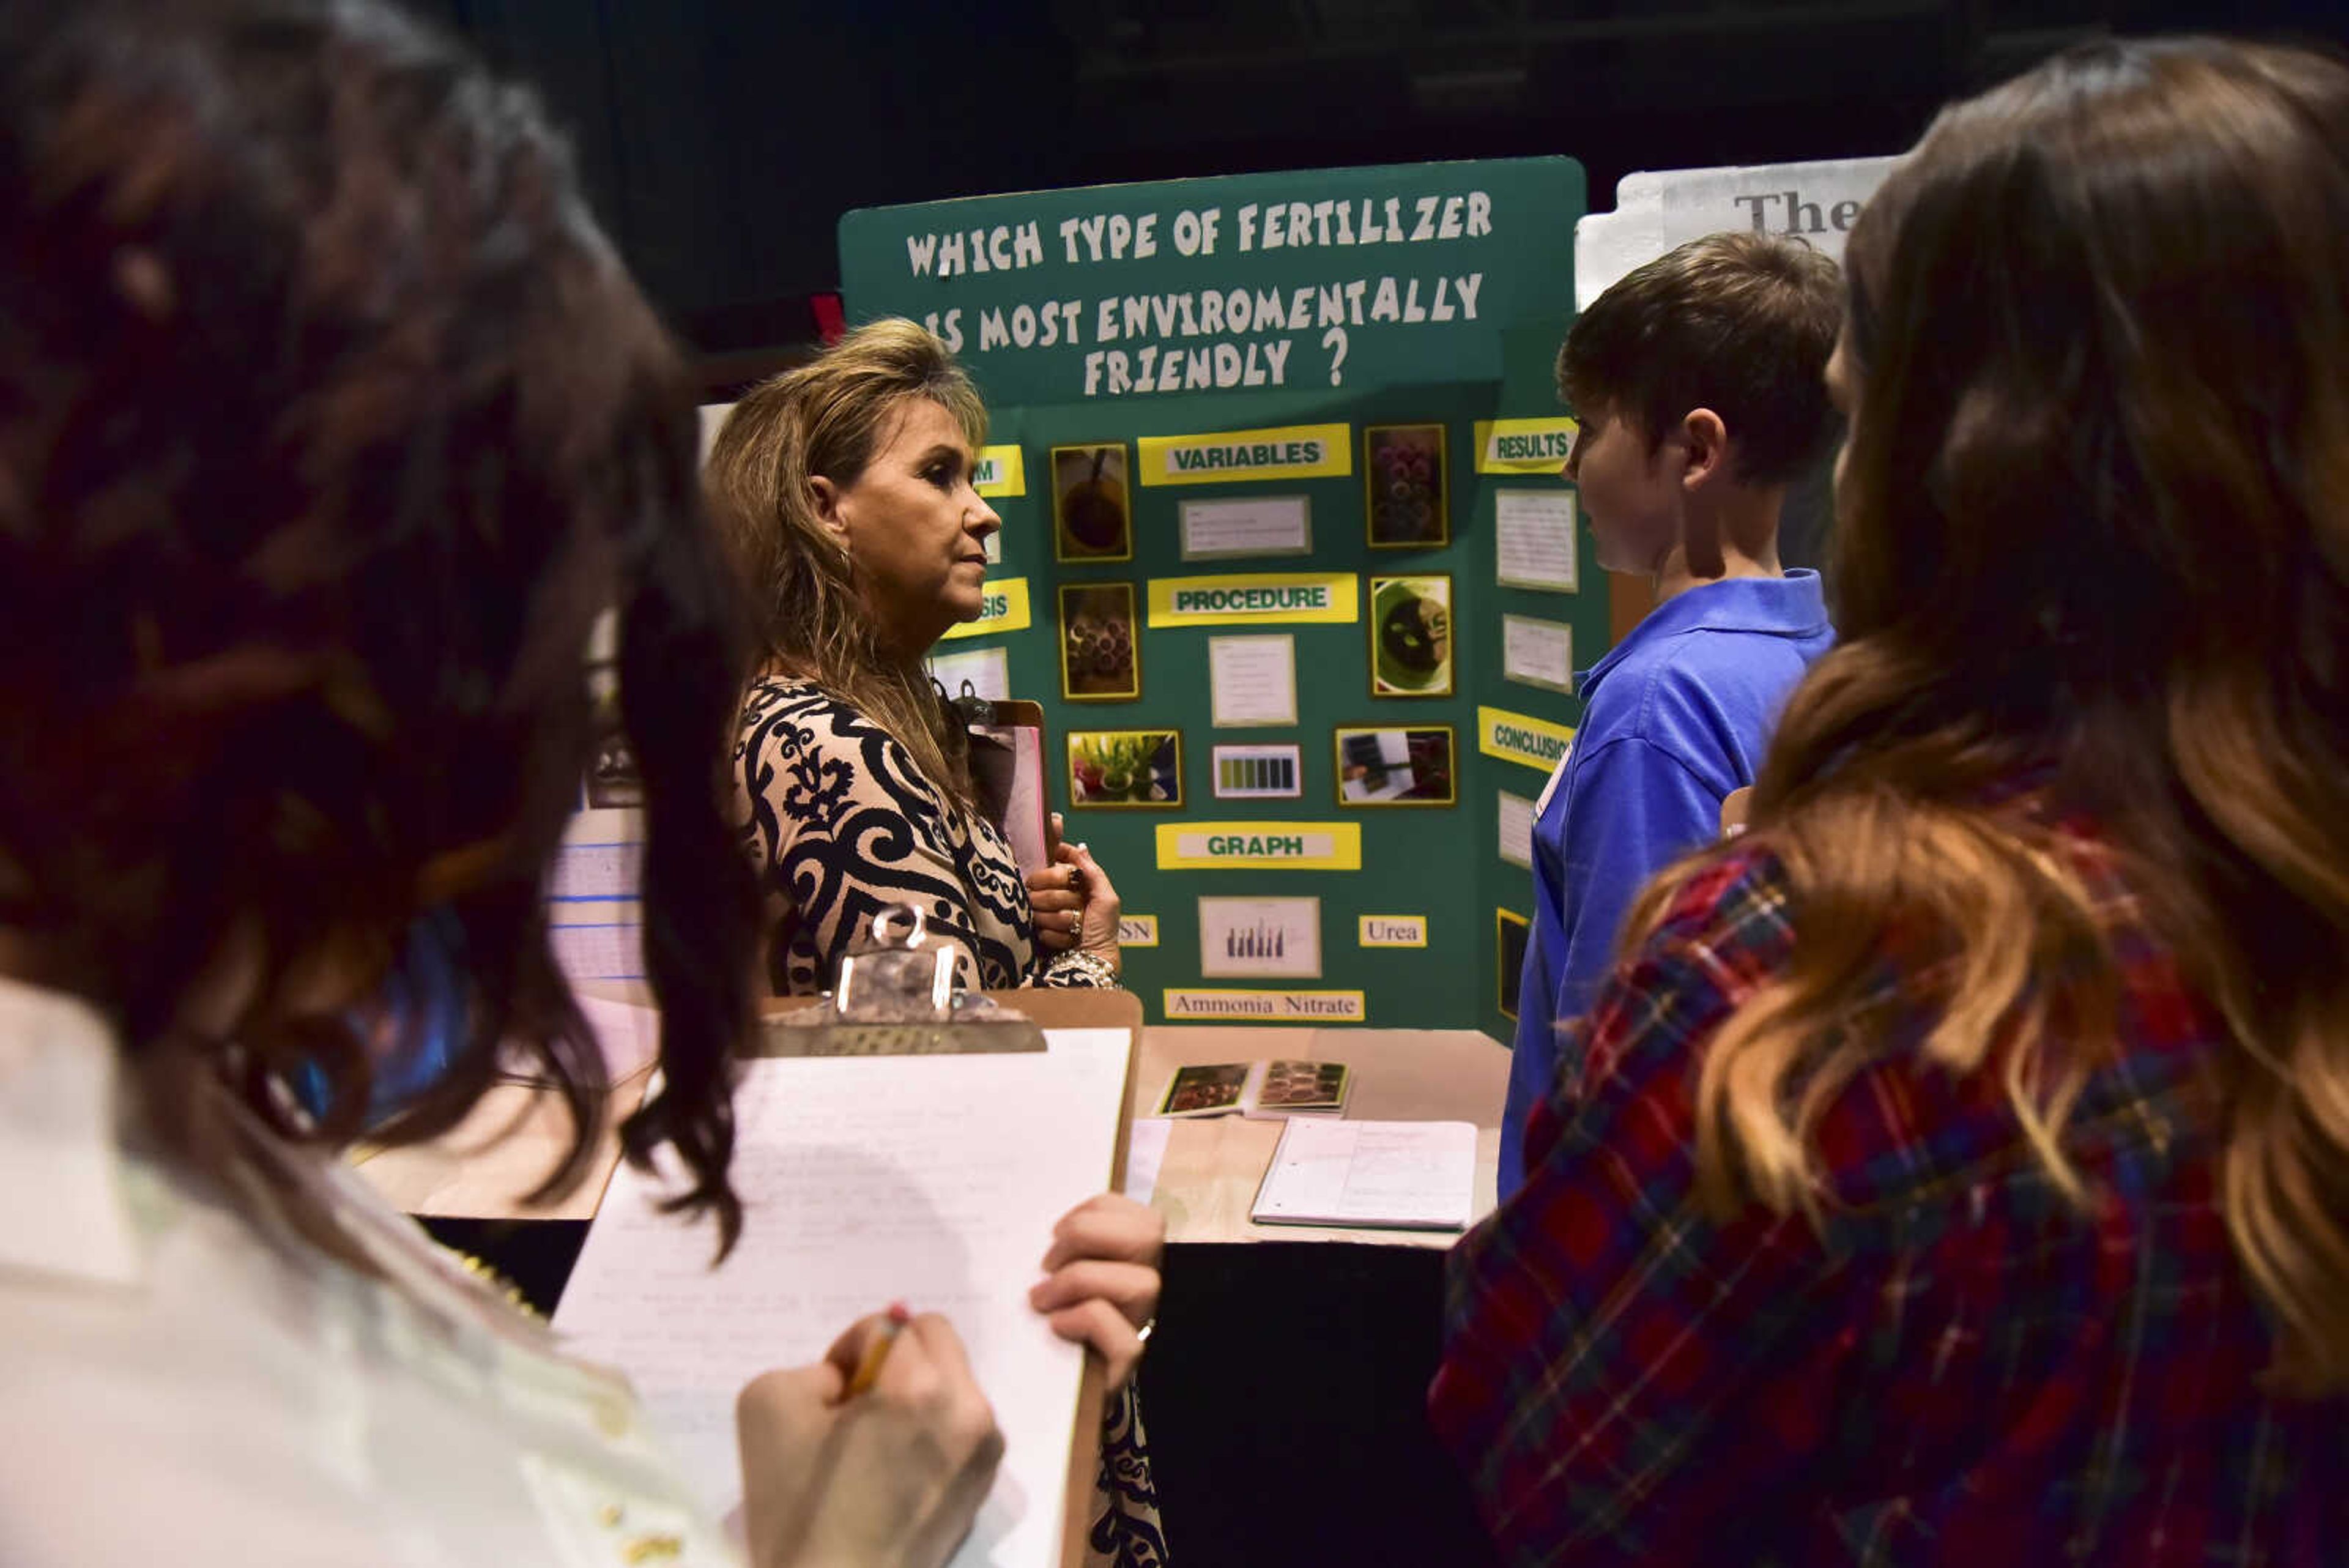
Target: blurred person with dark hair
329, 425
1958, 1171
1697, 382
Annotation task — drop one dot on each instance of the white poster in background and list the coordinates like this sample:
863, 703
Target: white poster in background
1538, 652
1534, 530
1252, 680
1253, 525
1517, 830
1246, 938
1655, 211
988, 670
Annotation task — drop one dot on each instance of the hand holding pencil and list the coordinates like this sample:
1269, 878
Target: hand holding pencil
880, 1453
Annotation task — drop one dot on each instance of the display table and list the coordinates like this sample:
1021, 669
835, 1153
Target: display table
485, 1167
1283, 1392
1208, 1181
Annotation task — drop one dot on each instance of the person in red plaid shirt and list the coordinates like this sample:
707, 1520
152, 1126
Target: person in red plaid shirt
1959, 1168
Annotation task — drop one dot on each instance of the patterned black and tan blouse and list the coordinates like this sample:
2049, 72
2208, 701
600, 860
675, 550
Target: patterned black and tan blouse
838, 821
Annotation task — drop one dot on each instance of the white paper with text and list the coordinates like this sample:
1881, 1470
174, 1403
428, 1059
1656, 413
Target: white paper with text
934, 1180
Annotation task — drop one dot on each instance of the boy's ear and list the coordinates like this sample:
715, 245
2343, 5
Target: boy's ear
826, 496
1706, 441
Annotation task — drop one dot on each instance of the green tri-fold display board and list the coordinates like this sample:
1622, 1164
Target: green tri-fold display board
1286, 558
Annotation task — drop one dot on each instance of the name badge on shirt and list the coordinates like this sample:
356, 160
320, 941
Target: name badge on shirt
1555, 775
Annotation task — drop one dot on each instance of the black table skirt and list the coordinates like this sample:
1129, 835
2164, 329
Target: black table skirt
1284, 1394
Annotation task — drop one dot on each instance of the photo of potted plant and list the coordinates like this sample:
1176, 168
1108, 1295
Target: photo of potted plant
1125, 767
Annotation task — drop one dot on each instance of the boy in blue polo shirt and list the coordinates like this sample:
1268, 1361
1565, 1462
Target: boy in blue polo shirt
1699, 383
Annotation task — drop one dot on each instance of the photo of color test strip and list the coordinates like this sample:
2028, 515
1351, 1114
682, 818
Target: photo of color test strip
1258, 772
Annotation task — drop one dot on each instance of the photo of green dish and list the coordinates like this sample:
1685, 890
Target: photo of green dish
1411, 637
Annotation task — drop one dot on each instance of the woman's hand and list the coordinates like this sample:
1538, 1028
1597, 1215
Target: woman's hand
891, 1477
1101, 1278
1057, 902
1097, 921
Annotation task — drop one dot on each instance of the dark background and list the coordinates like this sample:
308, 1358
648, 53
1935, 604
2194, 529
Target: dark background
722, 138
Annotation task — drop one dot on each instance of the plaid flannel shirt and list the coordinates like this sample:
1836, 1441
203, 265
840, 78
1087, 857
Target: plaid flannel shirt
1958, 1364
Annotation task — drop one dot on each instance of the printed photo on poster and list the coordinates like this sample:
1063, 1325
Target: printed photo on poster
1125, 767
1100, 660
1204, 1091
1396, 766
1406, 495
1511, 932
1411, 637
1258, 772
1093, 510
1245, 938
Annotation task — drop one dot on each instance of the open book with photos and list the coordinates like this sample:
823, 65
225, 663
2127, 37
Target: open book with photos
1274, 1088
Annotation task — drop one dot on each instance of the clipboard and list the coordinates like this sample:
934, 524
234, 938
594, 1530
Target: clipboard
1008, 768
1062, 1008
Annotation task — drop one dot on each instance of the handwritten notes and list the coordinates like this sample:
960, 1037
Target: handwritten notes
1517, 829
1258, 525
931, 1180
1252, 680
1538, 652
1533, 531
1418, 1175
593, 914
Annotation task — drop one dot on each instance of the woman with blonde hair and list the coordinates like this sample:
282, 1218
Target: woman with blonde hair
846, 491
1960, 1172
846, 488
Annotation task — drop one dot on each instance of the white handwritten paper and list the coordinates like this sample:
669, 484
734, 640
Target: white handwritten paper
1397, 1175
1534, 530
1538, 652
934, 1180
594, 912
1254, 526
1252, 679
1517, 830
1145, 1151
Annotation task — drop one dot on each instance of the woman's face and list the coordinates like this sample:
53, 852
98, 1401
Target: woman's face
915, 527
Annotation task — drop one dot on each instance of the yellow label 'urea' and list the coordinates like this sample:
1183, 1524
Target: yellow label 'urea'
1392, 932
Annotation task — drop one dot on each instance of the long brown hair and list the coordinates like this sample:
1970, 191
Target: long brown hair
828, 417
328, 424
2093, 534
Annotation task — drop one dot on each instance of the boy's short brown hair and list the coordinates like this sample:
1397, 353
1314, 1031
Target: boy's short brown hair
1739, 322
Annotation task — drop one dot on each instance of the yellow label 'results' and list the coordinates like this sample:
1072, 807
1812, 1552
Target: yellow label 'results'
1523, 446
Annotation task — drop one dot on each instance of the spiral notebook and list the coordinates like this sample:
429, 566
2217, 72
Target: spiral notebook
1390, 1176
